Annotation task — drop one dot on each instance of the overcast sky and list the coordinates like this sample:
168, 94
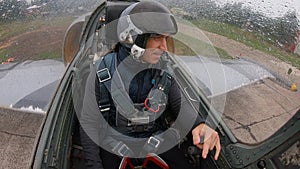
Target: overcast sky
271, 8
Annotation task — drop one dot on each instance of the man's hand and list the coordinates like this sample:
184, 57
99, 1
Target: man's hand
206, 139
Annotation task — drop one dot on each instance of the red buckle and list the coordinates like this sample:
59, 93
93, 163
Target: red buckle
151, 157
126, 162
149, 108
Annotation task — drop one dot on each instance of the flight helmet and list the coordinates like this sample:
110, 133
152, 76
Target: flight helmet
141, 20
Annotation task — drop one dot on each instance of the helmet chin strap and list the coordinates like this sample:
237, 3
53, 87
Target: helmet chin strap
137, 52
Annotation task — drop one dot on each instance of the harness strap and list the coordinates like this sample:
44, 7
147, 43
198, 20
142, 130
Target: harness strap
154, 142
117, 147
122, 149
105, 68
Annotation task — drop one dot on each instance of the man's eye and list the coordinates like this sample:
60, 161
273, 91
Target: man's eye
158, 38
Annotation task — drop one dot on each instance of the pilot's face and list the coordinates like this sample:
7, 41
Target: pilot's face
156, 45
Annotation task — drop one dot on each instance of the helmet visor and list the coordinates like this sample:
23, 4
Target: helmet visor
154, 22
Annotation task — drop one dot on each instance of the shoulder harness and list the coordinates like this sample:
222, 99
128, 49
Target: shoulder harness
155, 101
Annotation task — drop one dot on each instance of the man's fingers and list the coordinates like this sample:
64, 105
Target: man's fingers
215, 138
205, 150
196, 139
206, 139
212, 146
200, 146
218, 149
197, 133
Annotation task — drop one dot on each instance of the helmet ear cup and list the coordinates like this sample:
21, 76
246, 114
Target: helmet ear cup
137, 52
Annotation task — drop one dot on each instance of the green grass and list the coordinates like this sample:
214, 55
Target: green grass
187, 45
47, 55
253, 40
15, 28
11, 29
4, 54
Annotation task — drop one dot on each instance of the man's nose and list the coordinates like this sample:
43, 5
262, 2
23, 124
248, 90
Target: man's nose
163, 44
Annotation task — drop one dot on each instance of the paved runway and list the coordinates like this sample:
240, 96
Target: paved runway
18, 131
29, 84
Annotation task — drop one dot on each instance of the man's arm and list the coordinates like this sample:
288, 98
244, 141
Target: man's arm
204, 137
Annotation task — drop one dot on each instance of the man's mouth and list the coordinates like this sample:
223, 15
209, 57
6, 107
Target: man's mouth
158, 53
